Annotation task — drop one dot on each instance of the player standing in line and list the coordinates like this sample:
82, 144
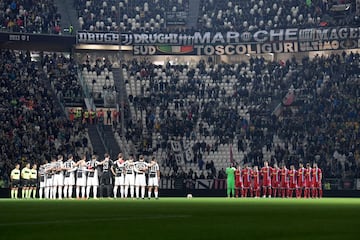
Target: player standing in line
33, 181
81, 177
154, 178
239, 182
308, 181
58, 178
106, 178
300, 180
42, 176
25, 180
15, 181
284, 178
129, 177
266, 176
246, 173
256, 182
92, 179
118, 171
316, 181
70, 167
49, 171
230, 181
140, 168
275, 180
292, 181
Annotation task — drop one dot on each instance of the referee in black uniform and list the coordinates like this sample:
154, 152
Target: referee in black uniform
106, 176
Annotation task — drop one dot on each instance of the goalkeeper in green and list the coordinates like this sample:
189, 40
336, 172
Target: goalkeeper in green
230, 181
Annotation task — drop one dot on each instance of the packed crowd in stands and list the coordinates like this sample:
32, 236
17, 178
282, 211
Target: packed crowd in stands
252, 15
42, 16
31, 16
126, 15
33, 125
63, 75
230, 101
150, 16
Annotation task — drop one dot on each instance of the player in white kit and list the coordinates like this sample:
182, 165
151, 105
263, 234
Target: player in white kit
69, 181
118, 171
49, 172
154, 178
42, 177
140, 168
58, 178
81, 178
129, 177
92, 178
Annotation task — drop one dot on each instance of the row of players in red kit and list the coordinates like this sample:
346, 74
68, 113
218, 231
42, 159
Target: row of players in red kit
279, 182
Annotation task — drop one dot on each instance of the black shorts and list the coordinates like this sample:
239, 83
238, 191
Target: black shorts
15, 183
25, 182
106, 178
33, 183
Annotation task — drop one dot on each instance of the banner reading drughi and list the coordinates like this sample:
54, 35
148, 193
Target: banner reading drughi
290, 40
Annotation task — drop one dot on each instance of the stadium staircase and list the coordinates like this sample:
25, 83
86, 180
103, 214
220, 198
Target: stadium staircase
68, 14
96, 141
110, 141
194, 7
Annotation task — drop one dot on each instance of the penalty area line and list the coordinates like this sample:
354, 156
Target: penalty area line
83, 220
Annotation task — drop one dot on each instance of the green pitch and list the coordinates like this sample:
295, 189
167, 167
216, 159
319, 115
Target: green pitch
180, 218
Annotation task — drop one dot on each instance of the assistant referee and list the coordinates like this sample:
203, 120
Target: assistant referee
25, 180
15, 181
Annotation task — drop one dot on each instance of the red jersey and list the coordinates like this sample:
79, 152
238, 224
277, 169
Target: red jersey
256, 179
266, 176
246, 175
284, 178
275, 177
316, 175
292, 178
307, 174
301, 177
238, 178
284, 175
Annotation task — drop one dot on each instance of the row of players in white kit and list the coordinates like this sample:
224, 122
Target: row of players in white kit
58, 178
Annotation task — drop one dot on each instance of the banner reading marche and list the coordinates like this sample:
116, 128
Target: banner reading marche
220, 38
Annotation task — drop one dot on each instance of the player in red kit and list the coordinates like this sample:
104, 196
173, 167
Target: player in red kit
316, 175
292, 181
246, 174
300, 180
256, 182
308, 181
266, 176
275, 179
239, 182
284, 181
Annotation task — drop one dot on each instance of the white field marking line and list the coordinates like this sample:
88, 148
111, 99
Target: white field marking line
81, 220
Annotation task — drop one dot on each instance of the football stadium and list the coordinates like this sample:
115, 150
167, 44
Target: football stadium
173, 119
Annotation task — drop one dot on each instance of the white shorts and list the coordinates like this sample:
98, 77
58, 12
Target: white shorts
119, 181
153, 181
140, 180
49, 181
129, 180
81, 182
58, 180
93, 181
69, 181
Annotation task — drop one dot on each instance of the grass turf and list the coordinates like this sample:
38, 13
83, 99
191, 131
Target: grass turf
180, 218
